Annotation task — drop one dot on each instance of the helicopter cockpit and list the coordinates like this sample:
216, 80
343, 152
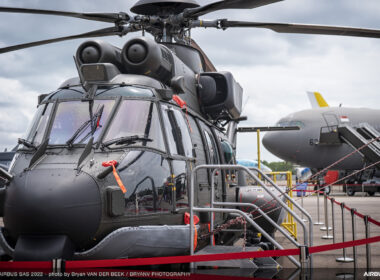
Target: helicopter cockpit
75, 121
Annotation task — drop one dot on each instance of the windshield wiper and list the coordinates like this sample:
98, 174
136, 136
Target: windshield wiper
94, 122
26, 143
126, 140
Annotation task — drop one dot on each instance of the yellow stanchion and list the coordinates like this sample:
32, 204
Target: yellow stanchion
289, 224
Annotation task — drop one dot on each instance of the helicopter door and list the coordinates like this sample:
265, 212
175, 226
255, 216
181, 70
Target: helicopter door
181, 149
202, 194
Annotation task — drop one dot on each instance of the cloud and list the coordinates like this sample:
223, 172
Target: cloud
16, 111
274, 69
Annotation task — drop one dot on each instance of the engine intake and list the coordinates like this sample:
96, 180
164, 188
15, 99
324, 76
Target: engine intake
99, 52
144, 56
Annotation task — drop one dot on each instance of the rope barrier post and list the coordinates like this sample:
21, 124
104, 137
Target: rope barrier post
353, 210
304, 257
58, 266
326, 228
363, 193
367, 246
333, 218
343, 259
318, 211
302, 195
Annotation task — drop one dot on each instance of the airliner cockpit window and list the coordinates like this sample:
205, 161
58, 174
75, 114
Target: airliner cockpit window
284, 123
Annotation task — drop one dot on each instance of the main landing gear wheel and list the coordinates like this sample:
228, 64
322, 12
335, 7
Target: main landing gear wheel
350, 191
327, 190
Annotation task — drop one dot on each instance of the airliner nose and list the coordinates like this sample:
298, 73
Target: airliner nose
282, 145
270, 141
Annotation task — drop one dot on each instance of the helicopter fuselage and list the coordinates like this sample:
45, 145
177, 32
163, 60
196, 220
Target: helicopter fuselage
104, 169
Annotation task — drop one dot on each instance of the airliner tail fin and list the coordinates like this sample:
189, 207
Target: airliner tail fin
317, 100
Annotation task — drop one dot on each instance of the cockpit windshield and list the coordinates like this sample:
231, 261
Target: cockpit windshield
136, 121
67, 119
284, 123
72, 115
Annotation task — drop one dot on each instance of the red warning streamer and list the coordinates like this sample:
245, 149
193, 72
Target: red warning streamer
113, 163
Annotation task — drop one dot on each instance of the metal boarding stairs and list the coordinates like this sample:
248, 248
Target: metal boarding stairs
364, 134
226, 207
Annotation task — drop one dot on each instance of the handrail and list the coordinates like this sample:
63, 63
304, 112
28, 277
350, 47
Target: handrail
291, 200
226, 210
263, 214
239, 167
308, 216
283, 204
269, 219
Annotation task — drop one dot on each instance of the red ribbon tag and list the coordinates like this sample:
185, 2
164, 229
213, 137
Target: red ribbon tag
113, 163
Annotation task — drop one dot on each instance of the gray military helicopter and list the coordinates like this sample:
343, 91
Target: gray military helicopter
104, 169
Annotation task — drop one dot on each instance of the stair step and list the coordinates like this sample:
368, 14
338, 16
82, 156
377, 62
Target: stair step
265, 263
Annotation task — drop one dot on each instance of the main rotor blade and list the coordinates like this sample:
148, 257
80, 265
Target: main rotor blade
227, 4
305, 28
106, 17
97, 33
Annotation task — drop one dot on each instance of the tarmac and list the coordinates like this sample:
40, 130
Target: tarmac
325, 265
365, 205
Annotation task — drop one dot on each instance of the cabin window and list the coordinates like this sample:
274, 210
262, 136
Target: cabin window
147, 178
212, 150
138, 124
77, 117
228, 152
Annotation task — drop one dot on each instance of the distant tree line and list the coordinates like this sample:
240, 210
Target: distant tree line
280, 165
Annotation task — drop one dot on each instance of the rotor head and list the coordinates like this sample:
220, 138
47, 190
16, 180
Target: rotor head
159, 7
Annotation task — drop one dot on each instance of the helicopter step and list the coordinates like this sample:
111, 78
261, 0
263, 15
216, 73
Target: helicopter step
261, 263
364, 134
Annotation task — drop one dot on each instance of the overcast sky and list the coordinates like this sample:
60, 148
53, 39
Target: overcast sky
274, 69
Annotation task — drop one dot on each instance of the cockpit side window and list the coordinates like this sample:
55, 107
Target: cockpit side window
177, 132
37, 129
186, 140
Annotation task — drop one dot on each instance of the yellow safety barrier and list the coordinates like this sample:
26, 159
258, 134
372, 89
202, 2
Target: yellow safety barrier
289, 224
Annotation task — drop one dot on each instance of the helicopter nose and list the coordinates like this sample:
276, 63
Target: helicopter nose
46, 202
